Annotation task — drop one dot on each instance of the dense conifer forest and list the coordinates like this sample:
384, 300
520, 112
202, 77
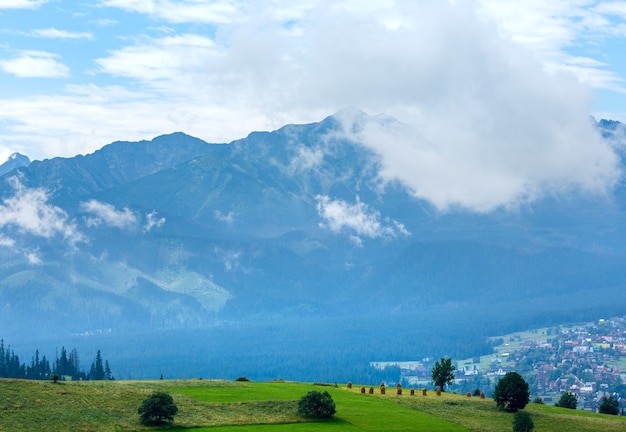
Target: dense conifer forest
66, 366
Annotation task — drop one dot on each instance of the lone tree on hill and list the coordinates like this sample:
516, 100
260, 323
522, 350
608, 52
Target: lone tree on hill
316, 405
157, 409
442, 373
567, 400
511, 392
609, 406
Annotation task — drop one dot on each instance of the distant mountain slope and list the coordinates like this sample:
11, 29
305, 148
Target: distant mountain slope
16, 160
114, 164
284, 225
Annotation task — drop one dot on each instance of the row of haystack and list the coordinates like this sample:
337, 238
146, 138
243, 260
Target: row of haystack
412, 391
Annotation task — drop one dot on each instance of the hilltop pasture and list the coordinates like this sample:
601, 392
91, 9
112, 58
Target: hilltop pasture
215, 405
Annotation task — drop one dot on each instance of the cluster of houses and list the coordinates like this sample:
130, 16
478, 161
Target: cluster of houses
588, 360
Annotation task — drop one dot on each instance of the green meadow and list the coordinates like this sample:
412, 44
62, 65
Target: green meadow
215, 406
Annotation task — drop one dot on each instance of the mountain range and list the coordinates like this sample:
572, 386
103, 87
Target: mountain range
284, 232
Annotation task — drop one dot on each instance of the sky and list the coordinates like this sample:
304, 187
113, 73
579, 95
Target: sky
493, 96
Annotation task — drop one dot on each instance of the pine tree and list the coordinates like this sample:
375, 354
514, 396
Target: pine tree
74, 365
97, 369
107, 371
62, 364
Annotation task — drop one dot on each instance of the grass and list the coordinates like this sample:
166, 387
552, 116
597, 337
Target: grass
214, 406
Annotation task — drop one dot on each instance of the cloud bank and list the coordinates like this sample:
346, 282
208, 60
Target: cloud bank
494, 93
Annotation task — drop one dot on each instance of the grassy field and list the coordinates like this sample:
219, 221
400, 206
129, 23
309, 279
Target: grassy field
216, 406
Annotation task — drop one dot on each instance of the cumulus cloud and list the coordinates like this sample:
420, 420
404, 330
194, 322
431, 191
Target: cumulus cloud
229, 217
34, 64
28, 210
6, 241
357, 219
33, 257
490, 159
107, 214
153, 221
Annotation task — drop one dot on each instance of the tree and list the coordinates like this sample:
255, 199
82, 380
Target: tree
511, 392
522, 422
609, 406
96, 372
567, 400
442, 373
316, 405
157, 409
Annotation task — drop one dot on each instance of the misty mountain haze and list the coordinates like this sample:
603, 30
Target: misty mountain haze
310, 226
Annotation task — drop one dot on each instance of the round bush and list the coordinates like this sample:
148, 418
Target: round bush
522, 422
157, 409
316, 405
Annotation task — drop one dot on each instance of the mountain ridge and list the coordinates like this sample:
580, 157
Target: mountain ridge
293, 225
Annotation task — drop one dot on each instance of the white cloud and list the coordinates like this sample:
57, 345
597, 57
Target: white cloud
550, 29
6, 241
182, 11
229, 217
21, 4
477, 83
357, 219
152, 221
107, 214
306, 159
53, 33
493, 159
171, 64
29, 211
33, 257
34, 64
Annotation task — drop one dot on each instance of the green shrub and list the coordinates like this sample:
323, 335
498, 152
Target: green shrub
609, 406
243, 379
522, 422
567, 400
316, 405
157, 409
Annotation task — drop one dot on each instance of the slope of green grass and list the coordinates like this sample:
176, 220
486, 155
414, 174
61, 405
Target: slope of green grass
235, 406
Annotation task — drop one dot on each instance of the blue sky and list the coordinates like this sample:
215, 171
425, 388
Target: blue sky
76, 75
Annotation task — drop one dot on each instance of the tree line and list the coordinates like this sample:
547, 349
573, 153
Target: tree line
65, 366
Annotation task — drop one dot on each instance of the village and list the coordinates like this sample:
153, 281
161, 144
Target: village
588, 360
